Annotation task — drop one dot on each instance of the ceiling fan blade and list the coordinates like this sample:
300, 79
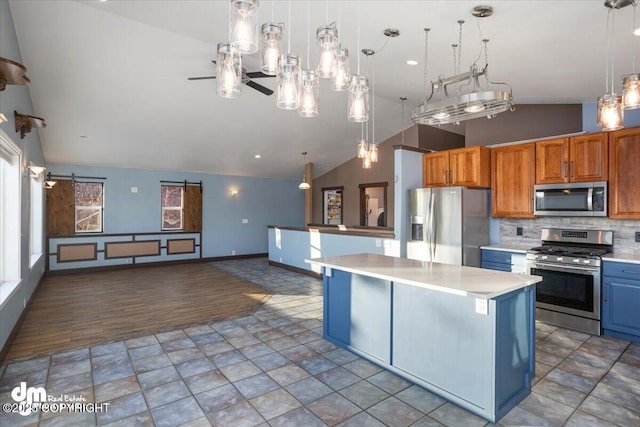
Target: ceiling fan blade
201, 78
260, 88
214, 61
257, 75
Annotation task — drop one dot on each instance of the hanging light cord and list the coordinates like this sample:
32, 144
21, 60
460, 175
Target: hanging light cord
272, 7
402, 119
308, 31
460, 22
289, 32
633, 65
373, 101
426, 51
613, 51
606, 73
327, 15
358, 29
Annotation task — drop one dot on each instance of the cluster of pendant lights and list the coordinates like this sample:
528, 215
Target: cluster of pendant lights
297, 88
610, 106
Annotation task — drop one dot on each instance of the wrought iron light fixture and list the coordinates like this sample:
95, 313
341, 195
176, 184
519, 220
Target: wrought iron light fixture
304, 185
472, 98
243, 23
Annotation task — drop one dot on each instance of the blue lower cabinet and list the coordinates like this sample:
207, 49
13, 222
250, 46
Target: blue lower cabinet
357, 312
512, 262
482, 361
621, 300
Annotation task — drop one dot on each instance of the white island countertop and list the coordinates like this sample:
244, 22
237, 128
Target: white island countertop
455, 279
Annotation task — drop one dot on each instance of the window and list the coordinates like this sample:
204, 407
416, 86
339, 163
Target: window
172, 203
10, 160
36, 224
88, 207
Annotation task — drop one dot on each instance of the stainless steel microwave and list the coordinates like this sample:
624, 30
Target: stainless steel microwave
571, 199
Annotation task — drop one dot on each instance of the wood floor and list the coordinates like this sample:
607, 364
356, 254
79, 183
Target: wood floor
70, 311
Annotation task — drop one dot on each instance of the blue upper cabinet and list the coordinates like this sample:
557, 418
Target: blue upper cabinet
621, 300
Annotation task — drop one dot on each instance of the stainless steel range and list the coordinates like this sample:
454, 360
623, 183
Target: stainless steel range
570, 265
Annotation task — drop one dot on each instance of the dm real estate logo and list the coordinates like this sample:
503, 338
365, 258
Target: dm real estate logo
28, 398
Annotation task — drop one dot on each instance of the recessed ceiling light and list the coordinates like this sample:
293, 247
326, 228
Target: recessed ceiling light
412, 62
257, 156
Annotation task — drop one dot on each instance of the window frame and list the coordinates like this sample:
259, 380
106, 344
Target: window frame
164, 209
10, 221
76, 208
36, 219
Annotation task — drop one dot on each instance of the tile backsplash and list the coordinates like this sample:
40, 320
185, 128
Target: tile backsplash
623, 231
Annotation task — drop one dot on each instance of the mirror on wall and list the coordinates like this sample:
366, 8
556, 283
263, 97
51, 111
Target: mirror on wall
373, 204
332, 205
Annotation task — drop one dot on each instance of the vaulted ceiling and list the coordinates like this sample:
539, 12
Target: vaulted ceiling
110, 78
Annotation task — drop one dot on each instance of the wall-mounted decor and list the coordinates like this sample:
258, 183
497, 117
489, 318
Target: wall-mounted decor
12, 73
24, 123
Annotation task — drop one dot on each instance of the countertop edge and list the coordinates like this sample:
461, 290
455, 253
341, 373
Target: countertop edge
504, 249
625, 258
331, 230
486, 296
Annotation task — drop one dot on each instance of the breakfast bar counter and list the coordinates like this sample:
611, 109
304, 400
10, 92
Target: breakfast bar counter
464, 333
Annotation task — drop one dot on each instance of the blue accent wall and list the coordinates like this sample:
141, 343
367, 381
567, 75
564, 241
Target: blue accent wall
261, 201
18, 98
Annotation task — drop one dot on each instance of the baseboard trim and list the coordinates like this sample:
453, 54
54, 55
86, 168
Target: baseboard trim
296, 269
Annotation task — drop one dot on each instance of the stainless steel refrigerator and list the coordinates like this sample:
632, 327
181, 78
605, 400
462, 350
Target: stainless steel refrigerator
448, 225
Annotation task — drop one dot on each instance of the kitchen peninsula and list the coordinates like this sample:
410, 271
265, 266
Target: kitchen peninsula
464, 333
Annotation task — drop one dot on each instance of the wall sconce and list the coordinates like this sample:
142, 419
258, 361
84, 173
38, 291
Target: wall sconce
34, 171
49, 182
25, 122
233, 193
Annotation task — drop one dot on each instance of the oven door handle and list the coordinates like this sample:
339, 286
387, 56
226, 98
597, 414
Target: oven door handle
563, 267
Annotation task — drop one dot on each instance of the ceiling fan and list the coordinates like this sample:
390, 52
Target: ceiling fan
246, 79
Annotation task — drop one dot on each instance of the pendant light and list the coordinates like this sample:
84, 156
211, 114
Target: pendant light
631, 82
310, 85
304, 185
340, 82
229, 71
327, 45
288, 79
243, 22
609, 108
358, 96
270, 45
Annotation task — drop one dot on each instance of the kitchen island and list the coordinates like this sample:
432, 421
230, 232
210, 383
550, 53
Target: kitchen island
464, 333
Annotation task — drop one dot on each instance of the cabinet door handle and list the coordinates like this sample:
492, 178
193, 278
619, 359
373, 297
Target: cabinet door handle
564, 169
445, 177
631, 272
605, 293
572, 168
451, 177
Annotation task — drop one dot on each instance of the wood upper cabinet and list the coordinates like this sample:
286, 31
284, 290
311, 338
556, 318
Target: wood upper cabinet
580, 158
624, 174
435, 169
512, 178
466, 167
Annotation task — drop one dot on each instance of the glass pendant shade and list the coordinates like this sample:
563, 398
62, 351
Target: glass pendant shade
288, 82
244, 18
373, 152
327, 50
229, 71
610, 112
310, 93
304, 185
271, 46
340, 81
358, 99
363, 148
631, 92
366, 162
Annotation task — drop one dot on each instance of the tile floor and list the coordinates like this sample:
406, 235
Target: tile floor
273, 368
